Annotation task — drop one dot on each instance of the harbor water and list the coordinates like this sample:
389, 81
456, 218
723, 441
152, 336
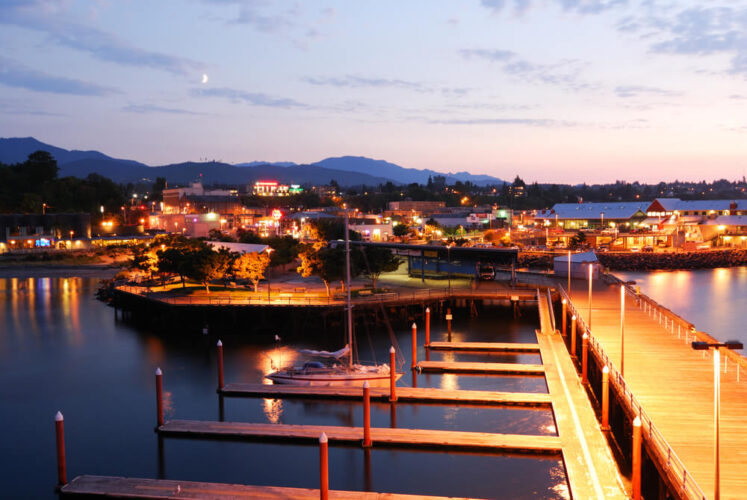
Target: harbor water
61, 349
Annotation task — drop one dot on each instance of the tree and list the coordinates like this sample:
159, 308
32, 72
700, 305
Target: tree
251, 266
578, 240
377, 260
204, 265
400, 230
326, 263
144, 259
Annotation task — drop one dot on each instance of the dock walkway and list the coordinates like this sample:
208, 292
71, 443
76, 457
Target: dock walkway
481, 368
127, 487
419, 438
502, 347
674, 386
409, 394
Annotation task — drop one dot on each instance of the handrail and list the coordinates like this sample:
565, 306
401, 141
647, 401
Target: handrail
290, 298
673, 466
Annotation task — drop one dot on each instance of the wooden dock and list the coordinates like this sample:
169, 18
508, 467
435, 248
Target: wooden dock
127, 487
408, 394
674, 385
481, 368
411, 438
589, 464
501, 347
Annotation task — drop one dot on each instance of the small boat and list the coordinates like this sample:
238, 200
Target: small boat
328, 368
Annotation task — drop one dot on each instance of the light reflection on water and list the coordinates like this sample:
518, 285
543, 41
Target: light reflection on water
62, 349
711, 299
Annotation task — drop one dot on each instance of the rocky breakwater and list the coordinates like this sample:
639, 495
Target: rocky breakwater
629, 261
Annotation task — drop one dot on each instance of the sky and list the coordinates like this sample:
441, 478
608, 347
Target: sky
550, 90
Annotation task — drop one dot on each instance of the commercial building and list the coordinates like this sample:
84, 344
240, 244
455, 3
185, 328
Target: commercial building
274, 188
44, 231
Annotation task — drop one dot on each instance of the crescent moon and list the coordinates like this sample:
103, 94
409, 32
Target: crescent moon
204, 78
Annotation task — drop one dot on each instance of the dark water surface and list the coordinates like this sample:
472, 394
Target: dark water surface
714, 300
60, 349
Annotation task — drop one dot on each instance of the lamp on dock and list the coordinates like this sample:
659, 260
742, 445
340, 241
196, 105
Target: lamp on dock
703, 346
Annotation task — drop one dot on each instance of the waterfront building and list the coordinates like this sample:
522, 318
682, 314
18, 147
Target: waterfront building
274, 188
44, 231
575, 216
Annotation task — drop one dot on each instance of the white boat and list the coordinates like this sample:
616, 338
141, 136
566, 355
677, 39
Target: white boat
329, 368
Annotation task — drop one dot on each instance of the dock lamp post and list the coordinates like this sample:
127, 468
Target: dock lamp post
269, 252
591, 273
703, 346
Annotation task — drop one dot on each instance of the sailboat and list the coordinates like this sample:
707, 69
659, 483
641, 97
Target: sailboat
324, 368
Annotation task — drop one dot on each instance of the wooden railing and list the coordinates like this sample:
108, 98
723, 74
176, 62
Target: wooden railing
305, 299
670, 463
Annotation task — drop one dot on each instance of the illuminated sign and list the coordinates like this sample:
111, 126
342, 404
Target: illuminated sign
277, 214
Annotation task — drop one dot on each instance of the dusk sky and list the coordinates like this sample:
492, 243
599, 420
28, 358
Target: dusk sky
554, 91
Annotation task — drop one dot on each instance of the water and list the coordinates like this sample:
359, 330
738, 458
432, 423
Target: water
711, 299
60, 349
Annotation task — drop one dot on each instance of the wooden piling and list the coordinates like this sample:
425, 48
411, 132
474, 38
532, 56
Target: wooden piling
605, 398
448, 322
159, 396
584, 358
59, 424
573, 335
220, 365
414, 363
564, 315
392, 376
366, 415
427, 327
323, 468
636, 473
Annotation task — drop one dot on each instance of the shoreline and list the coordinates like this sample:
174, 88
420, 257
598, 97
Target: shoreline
59, 271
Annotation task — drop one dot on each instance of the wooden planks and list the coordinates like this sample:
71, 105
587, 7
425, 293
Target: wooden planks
481, 368
423, 395
674, 386
507, 347
590, 467
421, 438
128, 487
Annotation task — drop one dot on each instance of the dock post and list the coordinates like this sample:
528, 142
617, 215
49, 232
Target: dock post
366, 415
159, 396
427, 327
636, 474
564, 315
392, 376
448, 321
414, 346
585, 358
573, 335
220, 365
605, 398
323, 468
59, 425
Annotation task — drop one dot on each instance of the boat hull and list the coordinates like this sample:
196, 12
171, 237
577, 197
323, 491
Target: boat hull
332, 380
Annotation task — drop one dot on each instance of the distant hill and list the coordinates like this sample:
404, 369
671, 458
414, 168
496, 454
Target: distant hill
17, 150
346, 170
399, 174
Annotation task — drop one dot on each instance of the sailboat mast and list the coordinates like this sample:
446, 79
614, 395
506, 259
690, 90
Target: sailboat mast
347, 286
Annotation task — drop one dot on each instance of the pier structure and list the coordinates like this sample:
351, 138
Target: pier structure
590, 467
668, 386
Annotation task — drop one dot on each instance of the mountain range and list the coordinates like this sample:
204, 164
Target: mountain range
346, 170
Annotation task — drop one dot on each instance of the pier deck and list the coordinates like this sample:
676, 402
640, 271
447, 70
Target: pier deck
481, 368
589, 464
409, 394
127, 487
418, 438
502, 347
674, 385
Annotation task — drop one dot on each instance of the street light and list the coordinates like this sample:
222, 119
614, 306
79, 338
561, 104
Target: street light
448, 268
622, 330
703, 346
269, 252
590, 275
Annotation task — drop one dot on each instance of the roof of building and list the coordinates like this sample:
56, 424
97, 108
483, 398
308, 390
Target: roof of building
578, 257
238, 247
672, 204
727, 220
594, 211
